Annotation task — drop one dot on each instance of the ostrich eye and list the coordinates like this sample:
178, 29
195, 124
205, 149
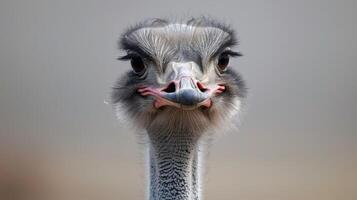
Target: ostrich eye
223, 61
138, 65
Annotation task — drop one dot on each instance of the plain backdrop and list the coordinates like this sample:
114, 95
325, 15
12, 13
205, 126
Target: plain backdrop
298, 138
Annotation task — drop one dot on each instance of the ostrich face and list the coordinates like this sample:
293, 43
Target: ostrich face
181, 77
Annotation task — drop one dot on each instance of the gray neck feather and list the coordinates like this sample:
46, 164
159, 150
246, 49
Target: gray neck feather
174, 171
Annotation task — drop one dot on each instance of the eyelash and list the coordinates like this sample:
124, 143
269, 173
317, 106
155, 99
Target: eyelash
231, 53
128, 56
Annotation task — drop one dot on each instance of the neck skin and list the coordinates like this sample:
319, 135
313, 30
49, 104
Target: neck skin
174, 171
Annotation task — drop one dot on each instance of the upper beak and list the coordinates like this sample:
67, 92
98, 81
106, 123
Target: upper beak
185, 92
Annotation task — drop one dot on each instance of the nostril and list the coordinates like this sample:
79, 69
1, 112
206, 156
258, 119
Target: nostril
171, 88
201, 87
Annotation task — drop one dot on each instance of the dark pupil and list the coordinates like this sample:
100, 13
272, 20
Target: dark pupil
223, 61
137, 65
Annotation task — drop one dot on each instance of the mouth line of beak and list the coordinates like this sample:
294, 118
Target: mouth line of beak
161, 100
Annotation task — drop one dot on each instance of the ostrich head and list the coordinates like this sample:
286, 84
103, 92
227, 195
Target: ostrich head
181, 85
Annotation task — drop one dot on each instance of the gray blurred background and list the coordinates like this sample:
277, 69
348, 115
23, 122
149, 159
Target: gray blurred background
60, 141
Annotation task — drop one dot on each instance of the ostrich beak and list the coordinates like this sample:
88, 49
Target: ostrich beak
185, 93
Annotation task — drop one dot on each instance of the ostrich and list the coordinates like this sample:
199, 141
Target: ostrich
180, 89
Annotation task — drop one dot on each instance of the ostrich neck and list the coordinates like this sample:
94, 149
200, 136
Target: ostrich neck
174, 159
